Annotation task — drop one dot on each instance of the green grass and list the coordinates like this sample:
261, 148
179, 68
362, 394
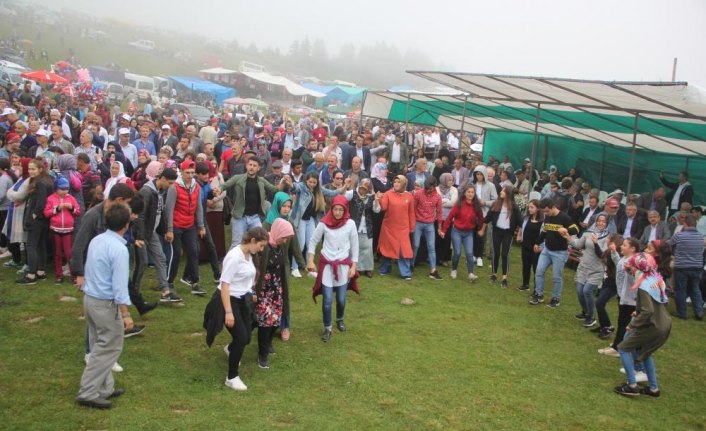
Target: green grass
463, 357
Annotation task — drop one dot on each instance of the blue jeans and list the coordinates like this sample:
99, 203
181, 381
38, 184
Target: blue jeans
462, 238
426, 229
305, 229
686, 282
239, 226
404, 265
327, 292
585, 293
557, 259
628, 358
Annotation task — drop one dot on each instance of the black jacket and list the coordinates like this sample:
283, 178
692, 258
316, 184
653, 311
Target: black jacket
34, 208
515, 218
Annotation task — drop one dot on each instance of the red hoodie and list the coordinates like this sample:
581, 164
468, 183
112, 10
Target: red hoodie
463, 218
61, 220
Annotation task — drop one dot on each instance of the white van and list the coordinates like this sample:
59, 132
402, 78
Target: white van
138, 87
143, 44
9, 76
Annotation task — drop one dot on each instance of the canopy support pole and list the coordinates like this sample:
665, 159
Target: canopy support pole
534, 146
406, 124
600, 176
632, 154
463, 125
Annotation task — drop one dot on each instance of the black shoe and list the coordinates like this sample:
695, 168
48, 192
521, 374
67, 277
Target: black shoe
589, 321
536, 299
116, 393
493, 278
136, 330
271, 350
443, 264
97, 403
605, 332
369, 274
697, 317
581, 316
435, 276
503, 284
41, 277
263, 363
26, 280
340, 325
649, 392
197, 290
146, 307
523, 287
169, 297
627, 390
554, 303
326, 336
186, 281
596, 329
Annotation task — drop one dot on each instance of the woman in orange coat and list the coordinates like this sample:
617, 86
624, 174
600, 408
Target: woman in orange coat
397, 225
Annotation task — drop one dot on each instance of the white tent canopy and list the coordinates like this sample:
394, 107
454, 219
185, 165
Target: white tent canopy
292, 87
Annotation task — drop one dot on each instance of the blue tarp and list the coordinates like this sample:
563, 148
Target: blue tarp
336, 94
219, 92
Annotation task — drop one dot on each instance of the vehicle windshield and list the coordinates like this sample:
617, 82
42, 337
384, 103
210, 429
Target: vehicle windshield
199, 111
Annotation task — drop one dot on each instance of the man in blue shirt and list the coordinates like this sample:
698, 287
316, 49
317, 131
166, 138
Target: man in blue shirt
105, 305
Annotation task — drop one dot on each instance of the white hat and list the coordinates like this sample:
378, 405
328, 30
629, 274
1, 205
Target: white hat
617, 192
166, 127
124, 131
8, 111
43, 132
126, 117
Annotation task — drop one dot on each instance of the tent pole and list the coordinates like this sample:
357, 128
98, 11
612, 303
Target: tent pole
600, 176
406, 125
632, 154
463, 125
534, 146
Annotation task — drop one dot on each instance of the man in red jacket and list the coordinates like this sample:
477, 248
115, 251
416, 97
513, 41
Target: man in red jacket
184, 218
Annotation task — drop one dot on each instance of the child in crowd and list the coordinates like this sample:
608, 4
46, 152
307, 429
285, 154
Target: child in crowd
61, 210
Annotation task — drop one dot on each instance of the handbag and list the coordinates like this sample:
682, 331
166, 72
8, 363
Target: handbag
227, 209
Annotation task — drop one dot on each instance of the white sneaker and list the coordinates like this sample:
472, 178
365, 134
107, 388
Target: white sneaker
5, 254
66, 270
472, 277
479, 262
296, 273
688, 299
236, 384
116, 367
454, 273
313, 274
640, 376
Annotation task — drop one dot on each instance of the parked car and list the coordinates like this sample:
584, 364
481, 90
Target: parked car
143, 44
138, 87
199, 113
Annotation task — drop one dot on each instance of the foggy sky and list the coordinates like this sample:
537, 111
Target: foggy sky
596, 39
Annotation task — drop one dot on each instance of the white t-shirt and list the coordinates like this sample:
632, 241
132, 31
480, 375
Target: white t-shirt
238, 273
338, 244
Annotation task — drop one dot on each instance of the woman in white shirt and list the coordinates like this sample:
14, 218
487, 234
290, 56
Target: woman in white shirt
337, 263
237, 281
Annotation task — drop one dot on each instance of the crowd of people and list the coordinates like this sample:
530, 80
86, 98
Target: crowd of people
363, 193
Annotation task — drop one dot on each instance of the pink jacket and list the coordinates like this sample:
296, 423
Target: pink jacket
61, 221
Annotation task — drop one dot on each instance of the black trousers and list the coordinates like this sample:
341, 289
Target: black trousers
264, 339
443, 246
502, 238
189, 239
478, 243
3, 239
529, 263
624, 317
36, 247
604, 295
240, 332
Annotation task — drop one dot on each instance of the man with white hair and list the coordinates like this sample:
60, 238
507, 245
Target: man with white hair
55, 115
27, 141
129, 150
57, 140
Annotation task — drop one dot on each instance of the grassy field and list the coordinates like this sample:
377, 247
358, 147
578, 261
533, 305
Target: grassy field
463, 357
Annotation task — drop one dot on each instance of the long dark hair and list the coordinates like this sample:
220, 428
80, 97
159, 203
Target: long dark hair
616, 239
509, 200
43, 175
539, 215
317, 195
5, 167
476, 202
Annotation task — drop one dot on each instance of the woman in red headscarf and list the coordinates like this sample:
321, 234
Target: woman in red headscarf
337, 263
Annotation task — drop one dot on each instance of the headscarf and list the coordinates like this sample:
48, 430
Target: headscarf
114, 180
280, 228
66, 163
145, 153
600, 233
403, 180
378, 172
651, 280
153, 169
368, 188
329, 220
443, 180
273, 213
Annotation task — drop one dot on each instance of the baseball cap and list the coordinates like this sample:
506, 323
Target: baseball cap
126, 117
8, 111
277, 164
62, 183
617, 192
187, 164
124, 131
12, 137
612, 203
166, 127
43, 132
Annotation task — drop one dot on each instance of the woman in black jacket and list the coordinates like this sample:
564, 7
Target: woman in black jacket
527, 235
35, 224
506, 220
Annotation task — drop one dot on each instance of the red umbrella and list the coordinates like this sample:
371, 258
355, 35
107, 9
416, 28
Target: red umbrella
44, 76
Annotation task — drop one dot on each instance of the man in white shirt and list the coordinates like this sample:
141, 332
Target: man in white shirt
452, 142
333, 148
129, 150
286, 161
